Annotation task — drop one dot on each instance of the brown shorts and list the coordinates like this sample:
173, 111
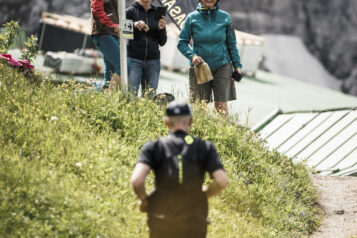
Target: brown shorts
177, 234
222, 86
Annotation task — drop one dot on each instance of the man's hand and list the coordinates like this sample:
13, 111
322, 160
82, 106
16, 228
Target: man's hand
219, 183
204, 188
143, 206
139, 25
137, 180
162, 23
196, 60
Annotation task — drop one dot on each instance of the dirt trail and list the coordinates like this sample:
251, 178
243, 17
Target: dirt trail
338, 199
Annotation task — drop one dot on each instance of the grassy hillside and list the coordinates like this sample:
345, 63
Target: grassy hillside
66, 155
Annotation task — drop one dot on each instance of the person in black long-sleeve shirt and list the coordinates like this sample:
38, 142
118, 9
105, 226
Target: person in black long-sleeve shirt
143, 50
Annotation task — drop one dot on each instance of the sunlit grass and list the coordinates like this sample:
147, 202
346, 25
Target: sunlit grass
67, 152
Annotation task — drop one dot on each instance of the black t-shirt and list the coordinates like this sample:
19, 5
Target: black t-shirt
179, 162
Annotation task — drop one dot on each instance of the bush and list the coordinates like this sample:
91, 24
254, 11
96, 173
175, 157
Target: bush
7, 40
67, 154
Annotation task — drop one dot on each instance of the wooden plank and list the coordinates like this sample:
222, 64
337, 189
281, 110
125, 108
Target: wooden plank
307, 128
67, 22
273, 126
332, 138
337, 159
314, 134
347, 171
348, 157
289, 129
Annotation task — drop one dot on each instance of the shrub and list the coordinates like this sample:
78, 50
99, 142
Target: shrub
7, 40
67, 154
29, 52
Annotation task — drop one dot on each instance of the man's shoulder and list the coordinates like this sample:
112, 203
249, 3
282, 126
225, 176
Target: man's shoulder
202, 142
187, 139
155, 144
149, 145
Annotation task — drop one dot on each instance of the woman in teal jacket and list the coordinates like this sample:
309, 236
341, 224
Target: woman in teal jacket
213, 42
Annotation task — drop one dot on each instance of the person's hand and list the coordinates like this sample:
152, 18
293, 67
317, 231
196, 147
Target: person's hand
139, 25
196, 60
162, 23
116, 28
239, 70
204, 190
143, 206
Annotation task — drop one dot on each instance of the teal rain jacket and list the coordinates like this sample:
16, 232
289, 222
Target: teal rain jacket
213, 37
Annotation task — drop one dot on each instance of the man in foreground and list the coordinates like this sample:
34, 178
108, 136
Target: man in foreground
178, 207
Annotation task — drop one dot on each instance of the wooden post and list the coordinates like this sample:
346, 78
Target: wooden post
123, 50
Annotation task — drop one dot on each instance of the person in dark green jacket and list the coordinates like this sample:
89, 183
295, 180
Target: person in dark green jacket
215, 43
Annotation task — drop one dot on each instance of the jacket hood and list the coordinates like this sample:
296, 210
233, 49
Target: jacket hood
201, 8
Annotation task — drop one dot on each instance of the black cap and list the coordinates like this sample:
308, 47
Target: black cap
177, 108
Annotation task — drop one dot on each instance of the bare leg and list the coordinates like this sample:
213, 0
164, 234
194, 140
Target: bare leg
222, 109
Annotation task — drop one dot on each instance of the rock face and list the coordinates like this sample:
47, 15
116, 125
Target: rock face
289, 56
327, 27
28, 12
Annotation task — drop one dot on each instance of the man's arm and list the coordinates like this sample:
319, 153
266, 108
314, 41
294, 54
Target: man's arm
137, 181
220, 181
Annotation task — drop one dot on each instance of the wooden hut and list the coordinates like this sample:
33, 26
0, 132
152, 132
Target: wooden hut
63, 33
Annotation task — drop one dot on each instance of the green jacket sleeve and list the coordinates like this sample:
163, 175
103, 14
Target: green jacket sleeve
232, 46
184, 40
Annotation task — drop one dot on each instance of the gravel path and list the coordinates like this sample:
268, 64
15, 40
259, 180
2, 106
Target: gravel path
338, 200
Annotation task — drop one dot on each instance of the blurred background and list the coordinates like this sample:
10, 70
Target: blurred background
299, 57
313, 41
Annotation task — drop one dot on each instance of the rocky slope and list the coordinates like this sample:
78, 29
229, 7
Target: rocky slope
28, 12
328, 27
287, 55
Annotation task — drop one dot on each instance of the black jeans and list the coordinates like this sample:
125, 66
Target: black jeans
177, 234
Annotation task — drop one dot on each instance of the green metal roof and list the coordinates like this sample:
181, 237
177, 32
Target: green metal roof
259, 96
326, 140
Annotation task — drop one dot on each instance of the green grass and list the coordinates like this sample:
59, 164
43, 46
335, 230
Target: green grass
67, 153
